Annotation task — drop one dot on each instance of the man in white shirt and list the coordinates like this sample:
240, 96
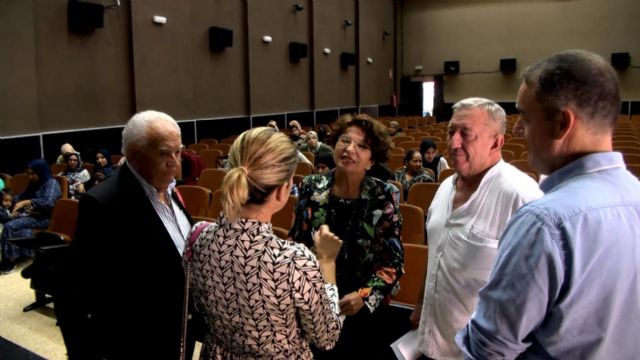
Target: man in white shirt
464, 222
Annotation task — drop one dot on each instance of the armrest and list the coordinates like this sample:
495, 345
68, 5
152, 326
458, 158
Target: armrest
41, 239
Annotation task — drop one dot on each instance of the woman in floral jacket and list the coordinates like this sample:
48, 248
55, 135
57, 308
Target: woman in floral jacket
363, 212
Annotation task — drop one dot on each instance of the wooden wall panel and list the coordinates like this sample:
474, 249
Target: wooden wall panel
278, 85
334, 87
163, 57
376, 84
18, 90
220, 82
83, 81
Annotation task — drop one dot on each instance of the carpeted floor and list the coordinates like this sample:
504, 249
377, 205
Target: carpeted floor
35, 330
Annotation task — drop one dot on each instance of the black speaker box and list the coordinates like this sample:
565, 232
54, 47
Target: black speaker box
347, 59
220, 38
508, 65
452, 67
620, 61
83, 17
297, 51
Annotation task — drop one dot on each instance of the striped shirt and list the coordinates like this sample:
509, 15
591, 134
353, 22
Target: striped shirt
173, 218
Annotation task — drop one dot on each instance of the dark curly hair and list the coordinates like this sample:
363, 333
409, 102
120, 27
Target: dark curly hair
376, 134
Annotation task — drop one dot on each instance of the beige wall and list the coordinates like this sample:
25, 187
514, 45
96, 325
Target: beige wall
479, 33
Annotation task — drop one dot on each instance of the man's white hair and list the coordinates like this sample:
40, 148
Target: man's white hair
135, 132
495, 111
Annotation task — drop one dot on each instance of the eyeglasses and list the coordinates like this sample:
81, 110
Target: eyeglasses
346, 141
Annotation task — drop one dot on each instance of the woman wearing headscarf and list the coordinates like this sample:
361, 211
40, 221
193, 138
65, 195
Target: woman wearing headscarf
103, 167
75, 174
413, 172
32, 210
431, 159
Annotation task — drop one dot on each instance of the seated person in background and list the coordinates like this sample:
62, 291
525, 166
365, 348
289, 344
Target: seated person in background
75, 174
431, 159
296, 134
291, 294
7, 206
325, 135
413, 172
273, 124
32, 210
314, 146
395, 130
324, 163
103, 167
64, 149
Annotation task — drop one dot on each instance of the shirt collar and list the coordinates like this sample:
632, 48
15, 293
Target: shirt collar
584, 165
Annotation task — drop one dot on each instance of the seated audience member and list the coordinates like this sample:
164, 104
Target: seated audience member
273, 124
32, 210
296, 134
263, 297
413, 172
380, 171
565, 283
64, 149
314, 146
76, 175
103, 167
394, 129
7, 207
324, 134
431, 159
324, 163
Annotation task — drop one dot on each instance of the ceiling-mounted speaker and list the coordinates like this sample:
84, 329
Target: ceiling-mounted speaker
297, 51
347, 59
220, 38
452, 67
84, 17
508, 65
620, 61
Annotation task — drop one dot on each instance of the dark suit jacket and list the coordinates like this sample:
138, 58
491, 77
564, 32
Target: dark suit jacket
127, 290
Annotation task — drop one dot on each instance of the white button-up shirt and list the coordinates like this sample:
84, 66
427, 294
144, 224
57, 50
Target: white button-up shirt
462, 247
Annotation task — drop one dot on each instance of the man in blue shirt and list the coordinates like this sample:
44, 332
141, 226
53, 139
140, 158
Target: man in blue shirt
566, 282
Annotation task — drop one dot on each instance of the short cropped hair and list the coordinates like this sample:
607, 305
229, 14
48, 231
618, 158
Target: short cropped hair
580, 79
495, 111
135, 132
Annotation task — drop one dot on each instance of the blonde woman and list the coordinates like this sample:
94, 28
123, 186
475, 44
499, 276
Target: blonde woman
263, 297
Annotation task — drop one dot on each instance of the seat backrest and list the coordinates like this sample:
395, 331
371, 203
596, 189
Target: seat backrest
19, 183
304, 168
297, 179
115, 159
627, 149
398, 139
284, 218
631, 158
517, 149
421, 195
445, 173
508, 155
222, 147
212, 178
395, 161
398, 184
64, 186
198, 147
412, 224
280, 232
215, 206
210, 157
309, 155
58, 168
208, 141
64, 217
408, 145
415, 266
396, 151
196, 199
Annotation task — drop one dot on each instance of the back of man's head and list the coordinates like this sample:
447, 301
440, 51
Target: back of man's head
578, 79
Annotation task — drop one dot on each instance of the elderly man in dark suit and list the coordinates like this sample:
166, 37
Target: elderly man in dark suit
126, 293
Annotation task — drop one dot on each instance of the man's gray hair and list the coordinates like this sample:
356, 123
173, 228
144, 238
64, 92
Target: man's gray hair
312, 134
135, 132
495, 111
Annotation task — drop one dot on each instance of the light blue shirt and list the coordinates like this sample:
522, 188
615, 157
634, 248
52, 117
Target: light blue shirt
566, 282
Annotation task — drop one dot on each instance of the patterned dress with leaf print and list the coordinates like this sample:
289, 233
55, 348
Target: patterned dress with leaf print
371, 258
